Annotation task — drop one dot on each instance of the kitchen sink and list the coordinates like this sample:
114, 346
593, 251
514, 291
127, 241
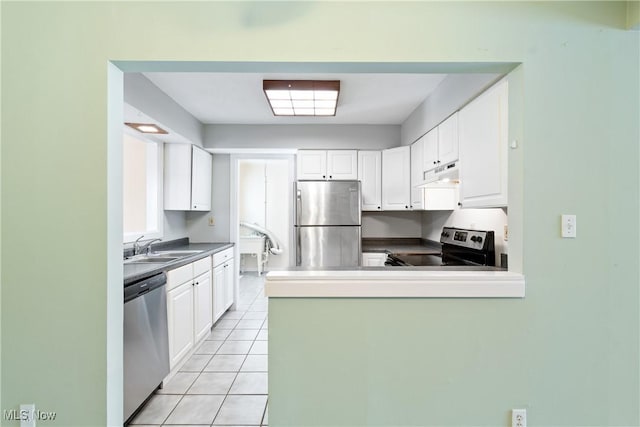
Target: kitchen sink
146, 259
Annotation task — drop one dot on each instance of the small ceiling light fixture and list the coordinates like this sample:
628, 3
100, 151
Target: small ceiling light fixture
302, 97
147, 128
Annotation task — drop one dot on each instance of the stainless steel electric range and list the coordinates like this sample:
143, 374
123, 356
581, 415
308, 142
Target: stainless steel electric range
460, 247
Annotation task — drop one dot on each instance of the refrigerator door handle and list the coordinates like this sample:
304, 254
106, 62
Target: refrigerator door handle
298, 248
298, 206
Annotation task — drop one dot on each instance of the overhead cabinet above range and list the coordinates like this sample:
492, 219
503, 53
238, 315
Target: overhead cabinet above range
187, 178
327, 164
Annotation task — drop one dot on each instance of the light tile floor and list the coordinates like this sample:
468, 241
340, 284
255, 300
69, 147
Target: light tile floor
225, 382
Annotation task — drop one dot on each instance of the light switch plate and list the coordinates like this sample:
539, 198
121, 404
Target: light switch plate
569, 226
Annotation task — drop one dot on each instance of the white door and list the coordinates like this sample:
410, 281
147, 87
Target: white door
448, 140
342, 164
370, 176
312, 164
278, 201
203, 310
180, 321
201, 180
396, 178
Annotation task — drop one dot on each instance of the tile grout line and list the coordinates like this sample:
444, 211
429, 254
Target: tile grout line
201, 371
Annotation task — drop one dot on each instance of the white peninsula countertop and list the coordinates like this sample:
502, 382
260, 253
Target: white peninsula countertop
395, 282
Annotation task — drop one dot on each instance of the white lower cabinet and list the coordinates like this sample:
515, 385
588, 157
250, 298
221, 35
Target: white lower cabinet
189, 309
203, 310
373, 259
180, 322
223, 282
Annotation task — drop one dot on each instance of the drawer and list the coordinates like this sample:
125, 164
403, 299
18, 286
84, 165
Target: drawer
201, 266
220, 257
179, 275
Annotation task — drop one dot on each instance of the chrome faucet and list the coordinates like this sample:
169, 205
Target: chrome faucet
146, 248
136, 245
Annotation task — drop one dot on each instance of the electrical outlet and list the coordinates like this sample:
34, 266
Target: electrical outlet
569, 226
518, 418
212, 221
506, 232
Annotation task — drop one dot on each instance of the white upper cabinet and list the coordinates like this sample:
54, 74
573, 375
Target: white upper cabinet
441, 144
312, 164
187, 178
342, 164
396, 179
370, 176
200, 180
484, 153
327, 164
417, 174
430, 149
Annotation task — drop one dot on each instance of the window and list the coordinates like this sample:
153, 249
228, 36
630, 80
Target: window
142, 187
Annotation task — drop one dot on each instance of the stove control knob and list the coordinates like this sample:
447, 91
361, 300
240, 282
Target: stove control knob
479, 239
473, 238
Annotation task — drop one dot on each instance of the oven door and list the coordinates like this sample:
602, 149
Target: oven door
460, 256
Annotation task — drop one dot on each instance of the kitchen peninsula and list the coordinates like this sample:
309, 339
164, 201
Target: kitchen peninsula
355, 335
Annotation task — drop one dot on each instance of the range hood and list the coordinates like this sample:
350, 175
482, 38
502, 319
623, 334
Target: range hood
442, 174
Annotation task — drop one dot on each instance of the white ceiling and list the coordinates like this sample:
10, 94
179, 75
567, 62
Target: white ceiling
237, 98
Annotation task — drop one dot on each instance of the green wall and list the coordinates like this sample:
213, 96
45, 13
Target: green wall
571, 344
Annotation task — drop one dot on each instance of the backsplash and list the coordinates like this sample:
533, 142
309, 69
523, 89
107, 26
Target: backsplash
391, 224
478, 219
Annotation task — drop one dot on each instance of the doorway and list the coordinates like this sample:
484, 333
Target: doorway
261, 186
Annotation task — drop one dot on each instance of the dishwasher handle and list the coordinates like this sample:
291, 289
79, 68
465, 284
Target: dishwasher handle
144, 286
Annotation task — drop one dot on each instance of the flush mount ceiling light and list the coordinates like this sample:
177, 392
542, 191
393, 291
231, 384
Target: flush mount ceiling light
302, 97
147, 128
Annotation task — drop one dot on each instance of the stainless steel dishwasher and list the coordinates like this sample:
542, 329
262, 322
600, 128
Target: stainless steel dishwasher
146, 340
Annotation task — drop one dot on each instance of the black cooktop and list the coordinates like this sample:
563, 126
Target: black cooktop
422, 260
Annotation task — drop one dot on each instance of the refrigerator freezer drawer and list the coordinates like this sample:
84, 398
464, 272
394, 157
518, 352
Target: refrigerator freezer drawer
328, 246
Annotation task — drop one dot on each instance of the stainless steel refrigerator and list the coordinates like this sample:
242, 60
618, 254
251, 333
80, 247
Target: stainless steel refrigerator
327, 225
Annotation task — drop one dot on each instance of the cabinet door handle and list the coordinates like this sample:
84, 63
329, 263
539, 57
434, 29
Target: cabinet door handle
324, 176
330, 176
378, 207
434, 163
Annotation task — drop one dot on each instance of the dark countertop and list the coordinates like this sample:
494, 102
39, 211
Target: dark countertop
135, 272
399, 246
398, 268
